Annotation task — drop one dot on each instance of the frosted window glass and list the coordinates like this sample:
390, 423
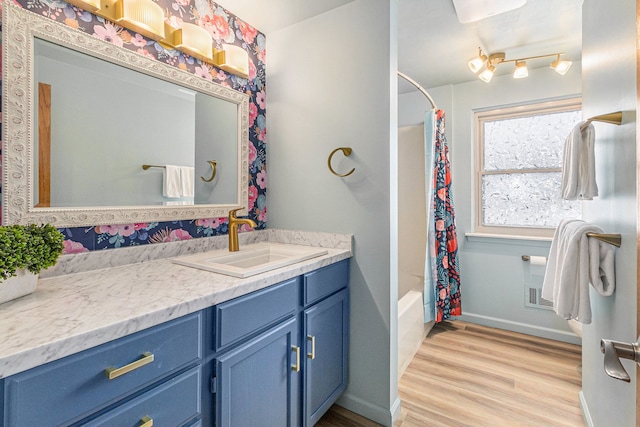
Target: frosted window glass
527, 142
526, 200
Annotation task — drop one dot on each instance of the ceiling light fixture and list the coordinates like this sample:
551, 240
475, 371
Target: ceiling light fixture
521, 70
487, 74
492, 61
475, 64
561, 67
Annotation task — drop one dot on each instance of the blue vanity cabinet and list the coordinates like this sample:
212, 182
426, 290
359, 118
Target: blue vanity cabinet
257, 367
273, 357
326, 329
326, 338
280, 354
77, 388
258, 383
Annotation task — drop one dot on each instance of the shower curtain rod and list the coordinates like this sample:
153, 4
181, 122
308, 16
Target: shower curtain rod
420, 88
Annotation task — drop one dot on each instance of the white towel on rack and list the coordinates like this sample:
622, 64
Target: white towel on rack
576, 260
187, 181
579, 166
171, 181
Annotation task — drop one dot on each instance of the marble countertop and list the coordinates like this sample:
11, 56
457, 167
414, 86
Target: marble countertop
97, 297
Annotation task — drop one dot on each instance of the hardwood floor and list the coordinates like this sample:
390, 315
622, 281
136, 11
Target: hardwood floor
470, 375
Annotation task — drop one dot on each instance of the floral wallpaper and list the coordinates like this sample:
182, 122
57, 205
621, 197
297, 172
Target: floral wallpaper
224, 27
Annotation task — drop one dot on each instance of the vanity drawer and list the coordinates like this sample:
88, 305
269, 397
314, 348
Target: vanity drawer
245, 316
325, 281
173, 403
71, 388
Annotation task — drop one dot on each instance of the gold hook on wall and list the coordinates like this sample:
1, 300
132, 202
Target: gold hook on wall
213, 171
347, 152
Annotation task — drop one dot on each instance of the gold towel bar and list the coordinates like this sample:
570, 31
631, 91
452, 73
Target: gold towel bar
611, 118
612, 239
212, 163
145, 167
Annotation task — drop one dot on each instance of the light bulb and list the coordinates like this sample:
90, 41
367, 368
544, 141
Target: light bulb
487, 74
521, 70
561, 67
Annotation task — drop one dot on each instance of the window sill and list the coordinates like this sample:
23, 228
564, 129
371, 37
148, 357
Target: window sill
505, 239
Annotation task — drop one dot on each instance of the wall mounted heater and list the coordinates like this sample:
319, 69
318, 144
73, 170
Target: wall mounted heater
533, 298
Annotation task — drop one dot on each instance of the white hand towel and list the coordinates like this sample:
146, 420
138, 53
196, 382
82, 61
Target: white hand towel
579, 166
186, 181
171, 185
576, 260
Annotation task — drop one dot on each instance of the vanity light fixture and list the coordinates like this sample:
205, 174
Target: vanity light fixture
233, 59
147, 18
143, 16
192, 40
488, 64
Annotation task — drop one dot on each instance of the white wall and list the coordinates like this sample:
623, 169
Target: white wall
412, 217
331, 82
609, 84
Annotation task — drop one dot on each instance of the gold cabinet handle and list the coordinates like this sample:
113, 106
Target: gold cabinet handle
213, 165
296, 367
146, 421
347, 152
113, 373
312, 355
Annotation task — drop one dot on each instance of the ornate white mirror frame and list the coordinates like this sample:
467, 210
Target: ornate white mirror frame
20, 28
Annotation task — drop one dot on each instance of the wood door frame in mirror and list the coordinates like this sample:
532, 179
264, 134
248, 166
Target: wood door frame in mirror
20, 27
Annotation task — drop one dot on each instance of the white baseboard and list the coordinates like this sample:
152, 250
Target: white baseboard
586, 417
386, 417
523, 328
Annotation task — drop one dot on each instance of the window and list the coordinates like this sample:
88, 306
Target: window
519, 168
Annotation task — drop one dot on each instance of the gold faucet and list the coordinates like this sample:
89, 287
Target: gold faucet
233, 228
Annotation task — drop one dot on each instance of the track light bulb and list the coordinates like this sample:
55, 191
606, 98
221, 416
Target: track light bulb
561, 67
487, 74
476, 63
521, 70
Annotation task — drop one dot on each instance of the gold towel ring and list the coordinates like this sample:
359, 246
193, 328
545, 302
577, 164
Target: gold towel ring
213, 171
347, 152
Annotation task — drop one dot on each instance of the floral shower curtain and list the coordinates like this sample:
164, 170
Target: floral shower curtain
442, 273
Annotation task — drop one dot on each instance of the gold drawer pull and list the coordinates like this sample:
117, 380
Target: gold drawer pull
312, 355
146, 421
296, 367
112, 372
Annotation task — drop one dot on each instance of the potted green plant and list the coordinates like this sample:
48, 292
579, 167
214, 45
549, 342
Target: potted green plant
25, 250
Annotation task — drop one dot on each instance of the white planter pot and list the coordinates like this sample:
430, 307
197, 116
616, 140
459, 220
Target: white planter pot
15, 287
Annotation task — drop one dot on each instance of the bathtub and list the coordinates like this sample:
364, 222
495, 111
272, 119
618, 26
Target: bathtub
411, 328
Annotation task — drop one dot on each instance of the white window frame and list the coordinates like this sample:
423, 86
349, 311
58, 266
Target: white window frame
480, 117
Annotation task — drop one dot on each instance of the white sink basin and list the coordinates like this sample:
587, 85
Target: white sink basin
251, 260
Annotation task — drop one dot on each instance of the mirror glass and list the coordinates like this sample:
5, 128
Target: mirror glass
82, 117
99, 123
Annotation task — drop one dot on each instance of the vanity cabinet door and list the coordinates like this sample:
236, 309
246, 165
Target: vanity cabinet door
326, 330
258, 383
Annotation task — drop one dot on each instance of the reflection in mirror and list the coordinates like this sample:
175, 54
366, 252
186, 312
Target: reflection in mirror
82, 116
106, 121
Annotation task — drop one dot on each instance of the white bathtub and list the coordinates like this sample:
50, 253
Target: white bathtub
411, 328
